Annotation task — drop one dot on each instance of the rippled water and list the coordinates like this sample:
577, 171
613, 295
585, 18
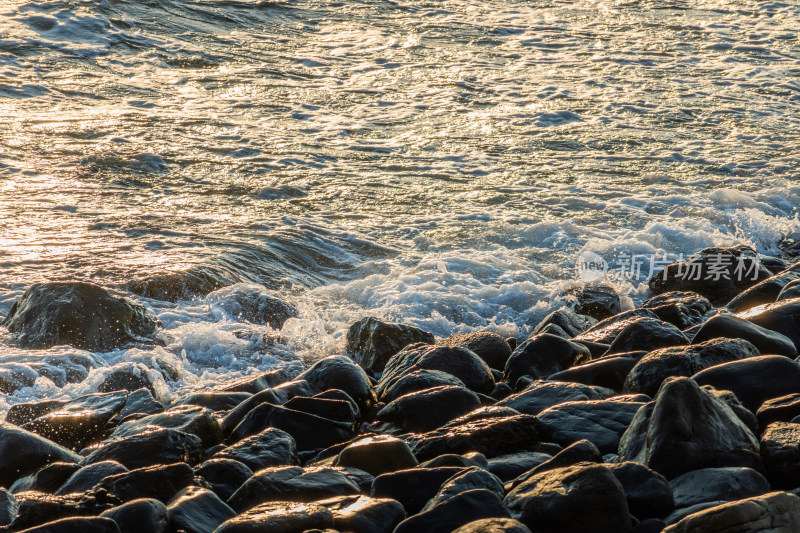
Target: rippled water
440, 163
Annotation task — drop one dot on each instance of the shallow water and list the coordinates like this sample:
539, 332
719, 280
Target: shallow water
439, 163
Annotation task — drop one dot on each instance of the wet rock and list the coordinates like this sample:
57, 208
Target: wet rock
8, 507
508, 467
455, 512
754, 380
473, 372
564, 323
224, 475
190, 419
138, 404
216, 401
139, 516
470, 479
160, 446
489, 346
259, 382
271, 447
596, 301
341, 410
501, 391
580, 452
543, 355
732, 401
291, 483
767, 341
180, 285
781, 409
607, 372
160, 482
494, 525
23, 452
601, 422
686, 428
47, 479
776, 511
681, 309
783, 317
717, 273
780, 451
542, 395
89, 476
377, 455
766, 291
648, 374
414, 487
362, 514
197, 510
37, 508
251, 303
339, 372
605, 331
450, 459
647, 334
373, 342
429, 409
20, 414
278, 395
648, 493
79, 314
418, 380
77, 525
79, 422
790, 291
279, 517
717, 484
128, 377
492, 437
482, 413
547, 501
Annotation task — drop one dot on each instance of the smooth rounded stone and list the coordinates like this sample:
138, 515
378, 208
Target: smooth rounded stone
679, 514
373, 342
651, 525
139, 403
754, 380
89, 476
790, 291
717, 273
596, 300
717, 484
686, 428
47, 479
780, 451
23, 452
605, 372
601, 422
469, 479
8, 507
180, 285
224, 476
79, 422
450, 459
582, 451
82, 315
648, 493
549, 501
482, 413
77, 525
340, 372
651, 371
216, 401
20, 414
377, 455
501, 391
344, 411
278, 395
279, 517
508, 467
605, 331
767, 342
492, 437
128, 377
473, 372
291, 483
310, 432
782, 409
271, 447
494, 525
197, 510
362, 514
158, 447
773, 512
647, 334
542, 395
414, 487
732, 401
139, 516
564, 323
765, 291
487, 345
160, 482
251, 303
429, 409
455, 512
543, 355
681, 309
418, 380
37, 508
190, 419
783, 317
254, 384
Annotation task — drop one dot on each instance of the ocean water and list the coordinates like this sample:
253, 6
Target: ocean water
440, 163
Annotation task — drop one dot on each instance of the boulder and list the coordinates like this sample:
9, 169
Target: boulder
129, 377
647, 334
681, 309
609, 372
780, 451
776, 511
651, 371
686, 428
766, 291
455, 512
413, 487
418, 380
469, 479
494, 525
141, 515
279, 517
717, 484
89, 476
278, 395
790, 291
271, 447
429, 409
82, 315
564, 323
339, 372
256, 383
180, 285
138, 404
8, 508
648, 493
597, 301
542, 395
334, 409
767, 342
487, 345
373, 342
547, 502
23, 452
377, 455
37, 508
197, 510
251, 303
216, 401
466, 460
362, 514
732, 401
46, 479
783, 317
224, 476
781, 409
543, 355
159, 482
20, 414
580, 452
77, 525
601, 422
160, 446
508, 467
605, 331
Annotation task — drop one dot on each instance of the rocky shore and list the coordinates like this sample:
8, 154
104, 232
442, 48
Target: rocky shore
682, 415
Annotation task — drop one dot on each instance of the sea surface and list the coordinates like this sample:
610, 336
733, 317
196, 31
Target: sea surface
439, 163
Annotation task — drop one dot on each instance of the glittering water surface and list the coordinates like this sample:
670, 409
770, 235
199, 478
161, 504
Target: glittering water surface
439, 163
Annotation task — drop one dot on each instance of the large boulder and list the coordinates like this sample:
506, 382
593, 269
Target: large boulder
277, 395
781, 409
766, 291
89, 476
717, 484
418, 380
339, 372
377, 455
686, 428
224, 476
140, 515
470, 479
605, 331
362, 514
773, 512
191, 419
23, 452
373, 342
601, 422
647, 334
455, 512
82, 315
682, 309
609, 372
543, 355
780, 451
783, 317
271, 447
648, 374
541, 395
160, 446
767, 341
648, 493
279, 517
47, 479
37, 508
251, 303
487, 345
160, 482
429, 409
579, 452
413, 487
198, 510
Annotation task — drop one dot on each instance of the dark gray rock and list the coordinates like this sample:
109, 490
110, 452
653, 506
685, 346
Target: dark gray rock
781, 409
159, 482
564, 323
732, 401
494, 525
790, 291
482, 413
596, 301
180, 285
605, 331
647, 334
542, 395
160, 446
362, 514
681, 309
138, 404
413, 487
582, 451
543, 355
79, 314
279, 517
766, 291
418, 380
717, 484
216, 401
783, 317
8, 507
20, 414
429, 409
601, 422
373, 342
197, 510
339, 372
89, 476
224, 476
23, 452
251, 303
139, 516
341, 410
377, 455
128, 377
780, 451
489, 346
47, 479
776, 511
470, 479
37, 508
455, 512
466, 460
648, 493
508, 467
77, 525
609, 372
278, 395
767, 341
271, 447
256, 383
